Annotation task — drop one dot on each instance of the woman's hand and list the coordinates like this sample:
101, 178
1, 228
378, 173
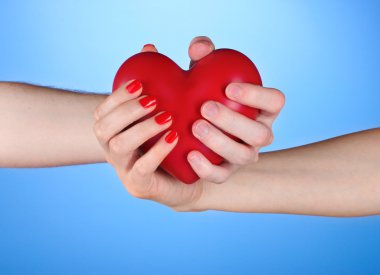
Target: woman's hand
140, 174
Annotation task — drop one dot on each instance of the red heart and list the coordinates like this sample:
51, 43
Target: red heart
183, 92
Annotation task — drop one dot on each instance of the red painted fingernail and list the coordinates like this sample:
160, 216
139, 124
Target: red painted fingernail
171, 136
134, 86
148, 101
163, 118
149, 45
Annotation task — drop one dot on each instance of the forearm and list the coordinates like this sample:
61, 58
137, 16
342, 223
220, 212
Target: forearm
42, 127
337, 177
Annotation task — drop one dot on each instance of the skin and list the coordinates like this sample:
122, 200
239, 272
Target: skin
337, 177
41, 127
140, 174
60, 123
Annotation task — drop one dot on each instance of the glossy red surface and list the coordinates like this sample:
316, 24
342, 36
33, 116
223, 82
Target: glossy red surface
183, 92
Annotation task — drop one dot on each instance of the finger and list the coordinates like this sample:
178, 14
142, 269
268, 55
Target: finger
208, 171
128, 141
268, 100
221, 144
142, 171
121, 117
199, 47
251, 132
125, 92
149, 48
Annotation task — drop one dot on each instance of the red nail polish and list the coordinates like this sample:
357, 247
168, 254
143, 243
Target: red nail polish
163, 118
148, 101
171, 136
134, 86
148, 45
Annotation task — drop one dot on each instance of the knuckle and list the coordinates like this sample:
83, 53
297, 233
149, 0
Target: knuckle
245, 157
280, 100
137, 193
140, 169
271, 138
115, 146
220, 179
219, 143
263, 136
110, 100
228, 116
157, 154
205, 171
96, 113
100, 131
134, 111
247, 93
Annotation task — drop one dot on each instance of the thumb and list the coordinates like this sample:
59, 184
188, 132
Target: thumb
199, 47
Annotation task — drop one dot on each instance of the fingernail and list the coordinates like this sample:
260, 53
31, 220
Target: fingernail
233, 91
134, 86
202, 129
171, 136
195, 160
210, 109
148, 45
163, 118
148, 101
206, 44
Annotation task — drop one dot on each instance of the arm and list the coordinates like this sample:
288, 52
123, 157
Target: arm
336, 177
46, 127
42, 126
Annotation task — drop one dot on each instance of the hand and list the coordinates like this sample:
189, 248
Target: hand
255, 133
140, 175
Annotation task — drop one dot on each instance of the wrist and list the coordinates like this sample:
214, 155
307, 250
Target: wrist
236, 194
198, 203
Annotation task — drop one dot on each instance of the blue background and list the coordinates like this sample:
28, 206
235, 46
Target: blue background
324, 55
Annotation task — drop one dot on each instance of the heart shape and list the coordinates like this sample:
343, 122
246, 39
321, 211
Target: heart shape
183, 92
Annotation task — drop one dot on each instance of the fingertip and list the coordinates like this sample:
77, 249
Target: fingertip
199, 48
149, 48
133, 86
171, 137
234, 90
201, 38
195, 160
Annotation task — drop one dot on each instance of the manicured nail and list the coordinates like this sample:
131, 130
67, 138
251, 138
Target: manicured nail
171, 136
202, 129
148, 101
134, 86
149, 45
233, 91
163, 118
210, 109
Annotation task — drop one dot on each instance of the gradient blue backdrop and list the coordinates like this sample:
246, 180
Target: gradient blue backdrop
324, 55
